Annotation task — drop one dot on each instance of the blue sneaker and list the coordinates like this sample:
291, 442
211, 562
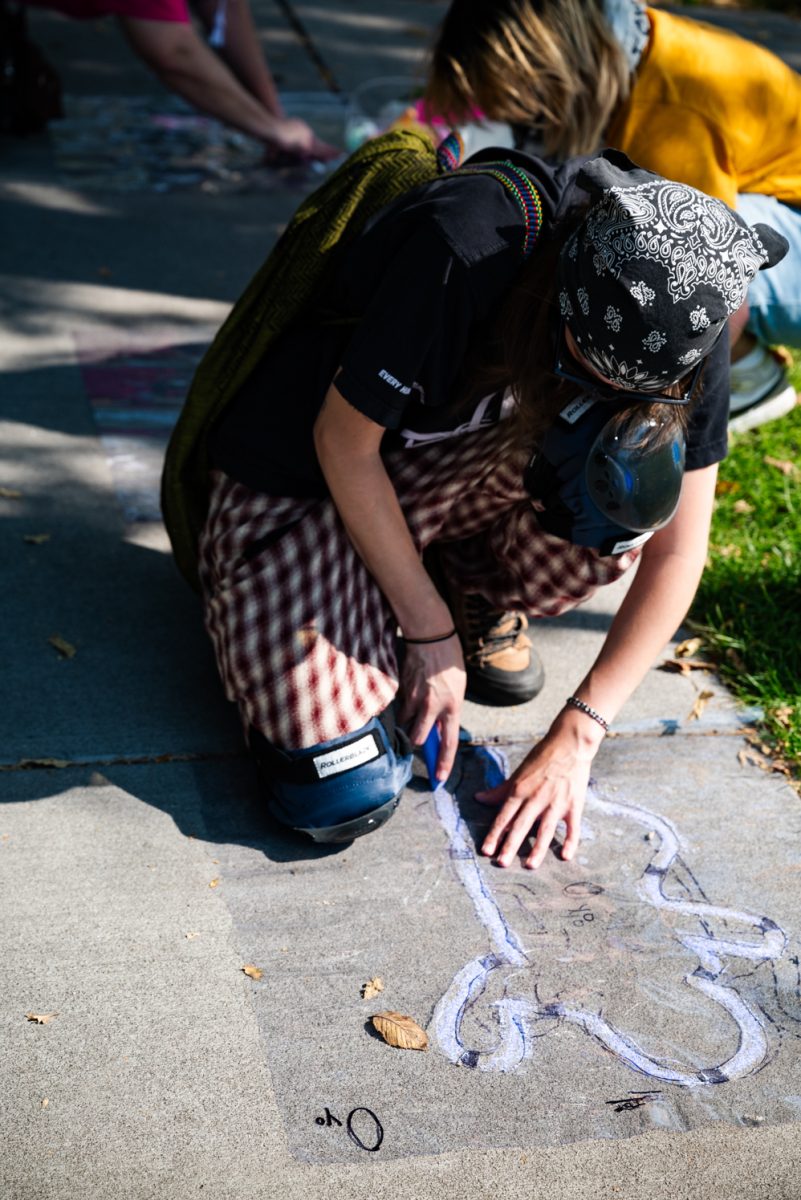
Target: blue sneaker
760, 390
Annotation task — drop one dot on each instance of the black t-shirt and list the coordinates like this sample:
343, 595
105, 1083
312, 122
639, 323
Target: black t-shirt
412, 294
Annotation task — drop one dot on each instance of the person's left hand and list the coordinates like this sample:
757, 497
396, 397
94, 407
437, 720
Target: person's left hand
549, 786
323, 151
432, 689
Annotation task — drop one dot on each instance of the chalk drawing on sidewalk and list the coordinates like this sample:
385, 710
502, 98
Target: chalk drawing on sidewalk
159, 144
513, 1024
136, 396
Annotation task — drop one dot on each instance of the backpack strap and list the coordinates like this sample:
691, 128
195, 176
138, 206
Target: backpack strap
450, 152
523, 191
449, 156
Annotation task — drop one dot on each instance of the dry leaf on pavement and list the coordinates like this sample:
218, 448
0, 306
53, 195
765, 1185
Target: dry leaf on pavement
193, 933
685, 666
252, 972
749, 757
373, 986
45, 1102
41, 1018
214, 883
771, 759
701, 701
754, 739
781, 464
401, 1031
65, 648
688, 647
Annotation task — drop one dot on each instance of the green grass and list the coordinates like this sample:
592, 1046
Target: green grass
748, 606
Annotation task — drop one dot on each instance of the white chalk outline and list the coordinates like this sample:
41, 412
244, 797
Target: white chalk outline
516, 1015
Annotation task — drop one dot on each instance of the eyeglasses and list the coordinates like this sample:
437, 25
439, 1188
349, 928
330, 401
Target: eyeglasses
575, 373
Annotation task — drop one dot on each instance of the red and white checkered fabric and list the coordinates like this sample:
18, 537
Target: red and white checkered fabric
305, 640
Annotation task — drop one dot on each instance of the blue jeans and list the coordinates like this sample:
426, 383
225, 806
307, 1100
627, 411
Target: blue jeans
331, 785
774, 297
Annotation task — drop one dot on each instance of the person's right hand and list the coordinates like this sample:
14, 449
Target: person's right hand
549, 786
432, 687
293, 138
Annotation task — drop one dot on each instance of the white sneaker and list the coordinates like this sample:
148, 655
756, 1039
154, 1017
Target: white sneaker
760, 390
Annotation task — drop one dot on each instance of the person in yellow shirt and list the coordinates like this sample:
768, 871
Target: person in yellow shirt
679, 97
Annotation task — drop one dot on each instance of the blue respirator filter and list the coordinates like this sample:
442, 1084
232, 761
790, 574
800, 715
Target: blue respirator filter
633, 481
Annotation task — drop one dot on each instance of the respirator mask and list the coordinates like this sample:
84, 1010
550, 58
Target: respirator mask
603, 476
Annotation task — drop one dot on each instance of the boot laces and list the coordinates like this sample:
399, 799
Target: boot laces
490, 629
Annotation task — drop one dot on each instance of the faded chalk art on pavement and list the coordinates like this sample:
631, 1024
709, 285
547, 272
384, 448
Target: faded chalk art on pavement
652, 983
136, 397
159, 144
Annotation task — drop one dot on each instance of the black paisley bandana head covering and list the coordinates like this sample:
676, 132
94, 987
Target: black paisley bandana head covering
649, 279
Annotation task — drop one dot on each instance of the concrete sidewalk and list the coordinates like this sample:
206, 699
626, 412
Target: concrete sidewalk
623, 1026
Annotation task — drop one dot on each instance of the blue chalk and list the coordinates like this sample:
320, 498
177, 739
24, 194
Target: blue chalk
430, 755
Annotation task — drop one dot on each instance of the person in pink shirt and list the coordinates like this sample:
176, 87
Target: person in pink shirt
234, 85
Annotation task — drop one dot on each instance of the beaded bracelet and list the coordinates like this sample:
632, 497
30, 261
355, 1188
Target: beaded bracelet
590, 712
442, 637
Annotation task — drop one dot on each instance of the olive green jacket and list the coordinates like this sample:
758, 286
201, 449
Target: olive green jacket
286, 284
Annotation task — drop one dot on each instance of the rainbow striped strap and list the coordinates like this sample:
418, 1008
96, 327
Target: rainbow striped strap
450, 152
524, 192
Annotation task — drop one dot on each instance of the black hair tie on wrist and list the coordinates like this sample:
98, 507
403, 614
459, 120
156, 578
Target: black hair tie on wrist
442, 637
590, 712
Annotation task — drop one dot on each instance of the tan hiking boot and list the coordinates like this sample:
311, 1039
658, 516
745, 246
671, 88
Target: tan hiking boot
502, 665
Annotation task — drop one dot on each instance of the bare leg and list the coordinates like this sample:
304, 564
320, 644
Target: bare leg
186, 65
741, 340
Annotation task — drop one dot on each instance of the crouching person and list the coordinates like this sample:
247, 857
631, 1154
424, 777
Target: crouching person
514, 385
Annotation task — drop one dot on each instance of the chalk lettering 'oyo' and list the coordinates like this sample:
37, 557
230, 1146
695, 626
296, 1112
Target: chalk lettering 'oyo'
362, 1126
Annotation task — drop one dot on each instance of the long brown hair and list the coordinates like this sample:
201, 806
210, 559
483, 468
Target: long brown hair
551, 64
